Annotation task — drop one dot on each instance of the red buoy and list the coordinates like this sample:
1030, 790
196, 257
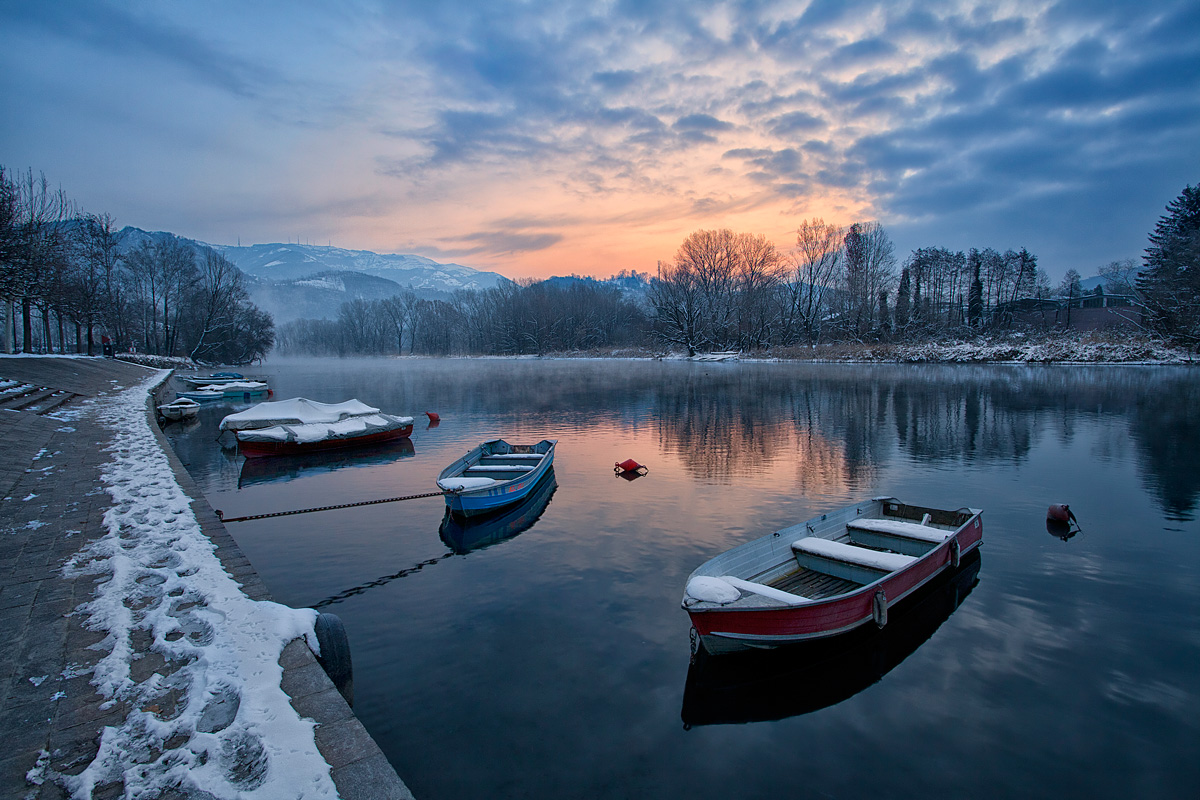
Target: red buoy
433, 416
629, 468
1059, 512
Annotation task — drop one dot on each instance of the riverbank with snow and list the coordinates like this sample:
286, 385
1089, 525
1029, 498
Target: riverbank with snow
1010, 349
147, 659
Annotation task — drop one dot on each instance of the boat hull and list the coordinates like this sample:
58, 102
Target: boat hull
268, 449
727, 629
475, 502
464, 534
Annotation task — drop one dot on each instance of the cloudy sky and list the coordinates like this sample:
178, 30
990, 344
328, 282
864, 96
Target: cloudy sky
539, 138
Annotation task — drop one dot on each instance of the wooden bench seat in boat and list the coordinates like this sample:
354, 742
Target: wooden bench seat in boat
763, 590
512, 470
513, 457
847, 561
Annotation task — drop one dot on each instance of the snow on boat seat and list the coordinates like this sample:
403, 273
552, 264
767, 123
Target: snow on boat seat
905, 530
727, 589
708, 589
861, 556
513, 456
516, 469
453, 484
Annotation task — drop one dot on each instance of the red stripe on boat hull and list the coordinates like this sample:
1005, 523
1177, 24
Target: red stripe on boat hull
265, 449
780, 625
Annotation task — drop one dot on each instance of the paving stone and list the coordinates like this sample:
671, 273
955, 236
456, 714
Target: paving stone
304, 681
328, 706
370, 777
343, 742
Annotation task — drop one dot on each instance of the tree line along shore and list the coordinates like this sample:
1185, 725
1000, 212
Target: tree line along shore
67, 286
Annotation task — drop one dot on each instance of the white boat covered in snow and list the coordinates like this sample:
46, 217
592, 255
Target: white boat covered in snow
299, 425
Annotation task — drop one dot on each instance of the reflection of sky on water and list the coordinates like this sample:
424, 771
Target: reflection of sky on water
568, 640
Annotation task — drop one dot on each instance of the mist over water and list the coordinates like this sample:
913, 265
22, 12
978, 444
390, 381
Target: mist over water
548, 656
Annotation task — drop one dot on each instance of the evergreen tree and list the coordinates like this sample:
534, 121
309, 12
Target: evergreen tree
903, 298
975, 294
1170, 282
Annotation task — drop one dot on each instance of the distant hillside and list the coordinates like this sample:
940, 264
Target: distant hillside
317, 296
284, 262
297, 281
633, 285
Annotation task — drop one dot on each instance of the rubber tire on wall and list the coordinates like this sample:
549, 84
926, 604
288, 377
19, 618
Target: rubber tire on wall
335, 654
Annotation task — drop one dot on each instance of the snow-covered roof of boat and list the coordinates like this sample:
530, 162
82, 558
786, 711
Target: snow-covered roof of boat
296, 411
310, 432
234, 386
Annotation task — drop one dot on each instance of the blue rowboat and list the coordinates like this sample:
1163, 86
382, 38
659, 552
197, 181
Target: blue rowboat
494, 475
464, 534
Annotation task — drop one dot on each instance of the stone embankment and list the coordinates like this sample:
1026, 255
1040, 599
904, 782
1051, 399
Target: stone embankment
142, 654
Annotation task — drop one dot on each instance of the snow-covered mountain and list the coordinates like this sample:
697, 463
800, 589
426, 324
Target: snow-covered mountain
288, 262
291, 262
299, 281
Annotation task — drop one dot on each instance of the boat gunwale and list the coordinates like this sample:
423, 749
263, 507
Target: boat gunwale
813, 608
517, 486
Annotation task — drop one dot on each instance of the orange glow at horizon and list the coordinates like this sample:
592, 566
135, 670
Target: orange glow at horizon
557, 218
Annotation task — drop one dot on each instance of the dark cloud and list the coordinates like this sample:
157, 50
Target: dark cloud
701, 122
617, 80
864, 51
795, 122
774, 164
949, 111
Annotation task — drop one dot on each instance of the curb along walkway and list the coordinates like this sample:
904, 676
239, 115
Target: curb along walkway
52, 504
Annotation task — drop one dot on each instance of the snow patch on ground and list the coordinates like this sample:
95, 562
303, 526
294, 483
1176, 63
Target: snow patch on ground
212, 718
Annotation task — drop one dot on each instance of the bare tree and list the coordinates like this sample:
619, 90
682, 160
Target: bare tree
675, 296
95, 278
816, 270
218, 295
760, 271
870, 267
31, 244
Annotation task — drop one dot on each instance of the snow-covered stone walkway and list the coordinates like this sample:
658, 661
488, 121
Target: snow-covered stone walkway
143, 657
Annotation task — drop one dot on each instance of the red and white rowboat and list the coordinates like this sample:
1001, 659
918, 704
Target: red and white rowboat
825, 576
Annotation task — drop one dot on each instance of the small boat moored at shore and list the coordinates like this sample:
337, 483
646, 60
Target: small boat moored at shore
759, 685
494, 474
201, 395
215, 379
234, 390
299, 425
825, 576
179, 409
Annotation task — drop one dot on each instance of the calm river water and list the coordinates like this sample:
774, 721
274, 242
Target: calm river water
553, 661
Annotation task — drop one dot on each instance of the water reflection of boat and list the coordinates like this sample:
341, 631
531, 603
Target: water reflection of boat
286, 468
463, 535
762, 685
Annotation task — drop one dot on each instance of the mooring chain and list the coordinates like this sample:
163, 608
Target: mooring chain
327, 508
357, 590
